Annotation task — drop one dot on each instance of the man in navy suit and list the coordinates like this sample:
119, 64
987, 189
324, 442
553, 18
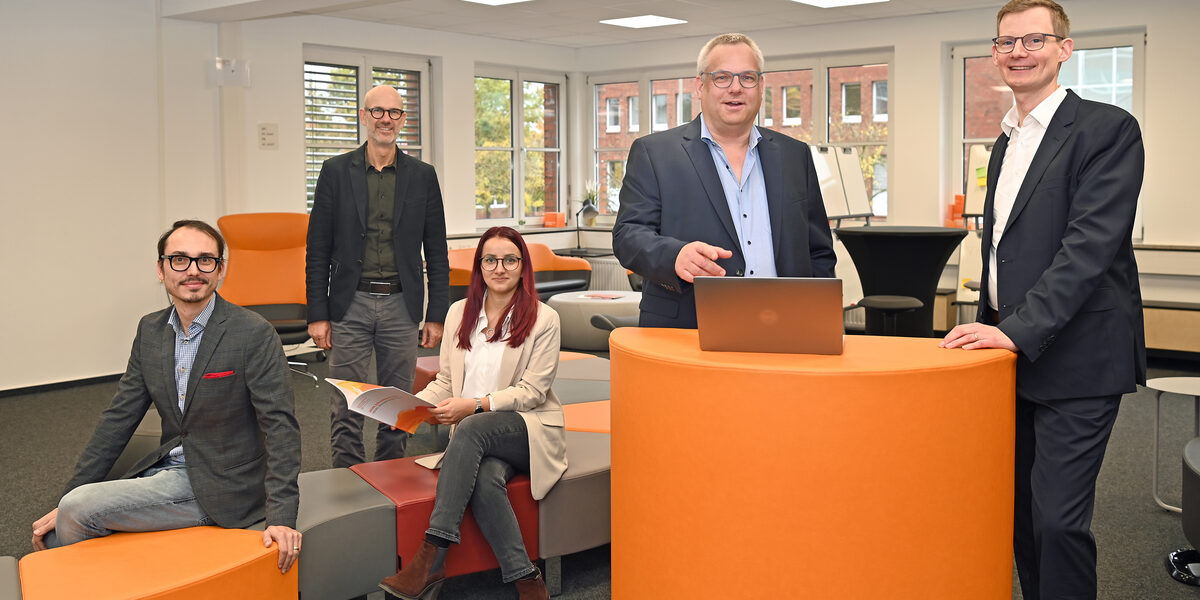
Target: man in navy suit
374, 210
719, 195
1059, 288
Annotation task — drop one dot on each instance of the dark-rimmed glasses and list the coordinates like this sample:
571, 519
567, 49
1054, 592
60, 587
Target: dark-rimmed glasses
510, 262
183, 262
377, 112
724, 79
1030, 41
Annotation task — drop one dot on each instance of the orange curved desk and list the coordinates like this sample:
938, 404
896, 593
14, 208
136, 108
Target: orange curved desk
885, 472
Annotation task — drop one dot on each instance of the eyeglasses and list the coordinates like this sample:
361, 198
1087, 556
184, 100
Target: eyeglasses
724, 79
394, 113
183, 262
510, 262
1031, 41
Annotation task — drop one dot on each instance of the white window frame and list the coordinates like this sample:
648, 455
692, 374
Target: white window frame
519, 150
846, 117
366, 62
876, 115
612, 109
958, 54
635, 124
682, 115
790, 121
658, 124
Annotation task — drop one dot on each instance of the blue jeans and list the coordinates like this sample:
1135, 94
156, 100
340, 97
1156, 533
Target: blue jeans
486, 450
378, 324
161, 498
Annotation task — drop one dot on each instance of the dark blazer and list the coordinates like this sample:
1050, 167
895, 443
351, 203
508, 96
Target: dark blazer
240, 436
337, 237
672, 195
1069, 294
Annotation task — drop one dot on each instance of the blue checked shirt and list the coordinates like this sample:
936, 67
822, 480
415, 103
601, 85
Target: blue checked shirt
747, 201
187, 344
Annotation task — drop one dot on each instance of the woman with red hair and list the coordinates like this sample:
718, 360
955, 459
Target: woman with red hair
497, 363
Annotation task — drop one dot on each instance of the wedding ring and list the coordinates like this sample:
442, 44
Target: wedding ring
975, 337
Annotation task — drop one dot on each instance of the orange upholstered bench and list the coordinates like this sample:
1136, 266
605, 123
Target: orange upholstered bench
412, 488
197, 563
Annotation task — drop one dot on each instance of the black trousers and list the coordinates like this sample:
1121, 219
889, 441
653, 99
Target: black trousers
1060, 445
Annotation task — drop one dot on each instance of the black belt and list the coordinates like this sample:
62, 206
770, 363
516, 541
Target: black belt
379, 288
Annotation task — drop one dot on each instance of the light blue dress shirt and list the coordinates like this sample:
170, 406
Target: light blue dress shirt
187, 344
747, 201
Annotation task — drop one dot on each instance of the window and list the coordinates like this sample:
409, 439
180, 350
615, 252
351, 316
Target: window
528, 170
634, 116
870, 137
611, 146
659, 109
334, 84
851, 102
879, 101
793, 106
767, 106
684, 110
1103, 68
613, 112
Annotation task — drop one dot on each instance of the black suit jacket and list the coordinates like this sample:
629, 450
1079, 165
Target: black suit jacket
239, 433
672, 195
337, 237
1068, 287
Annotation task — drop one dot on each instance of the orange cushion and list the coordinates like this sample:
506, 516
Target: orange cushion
588, 416
197, 563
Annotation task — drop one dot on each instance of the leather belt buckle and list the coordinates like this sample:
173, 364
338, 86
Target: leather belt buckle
380, 288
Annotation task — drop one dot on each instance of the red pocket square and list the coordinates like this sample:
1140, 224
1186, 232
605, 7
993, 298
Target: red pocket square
218, 375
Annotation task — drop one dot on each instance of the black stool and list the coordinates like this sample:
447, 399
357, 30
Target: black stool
890, 306
1184, 564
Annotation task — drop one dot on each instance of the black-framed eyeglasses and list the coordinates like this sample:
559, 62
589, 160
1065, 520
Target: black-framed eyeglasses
1031, 41
724, 79
510, 262
377, 112
183, 262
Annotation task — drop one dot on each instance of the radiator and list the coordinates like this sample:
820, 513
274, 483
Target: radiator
608, 274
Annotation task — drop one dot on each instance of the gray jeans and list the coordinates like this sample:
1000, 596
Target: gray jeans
378, 324
161, 498
486, 450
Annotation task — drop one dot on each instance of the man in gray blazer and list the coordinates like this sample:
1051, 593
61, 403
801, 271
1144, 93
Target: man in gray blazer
374, 210
718, 195
230, 446
1060, 289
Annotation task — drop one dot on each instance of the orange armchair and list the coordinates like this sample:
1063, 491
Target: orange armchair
266, 269
552, 274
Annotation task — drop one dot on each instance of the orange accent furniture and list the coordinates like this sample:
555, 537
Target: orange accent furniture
552, 274
412, 487
883, 472
266, 268
197, 563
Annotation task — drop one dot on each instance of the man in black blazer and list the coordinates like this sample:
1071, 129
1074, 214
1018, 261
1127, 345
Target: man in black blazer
719, 195
374, 210
230, 451
1059, 288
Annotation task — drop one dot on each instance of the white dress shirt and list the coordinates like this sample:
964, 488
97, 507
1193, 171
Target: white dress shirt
481, 365
1023, 141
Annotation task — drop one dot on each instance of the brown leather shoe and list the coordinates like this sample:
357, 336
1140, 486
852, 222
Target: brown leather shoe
532, 589
422, 579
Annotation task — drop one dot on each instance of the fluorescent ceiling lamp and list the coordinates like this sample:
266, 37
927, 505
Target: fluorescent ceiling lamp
496, 2
643, 21
837, 3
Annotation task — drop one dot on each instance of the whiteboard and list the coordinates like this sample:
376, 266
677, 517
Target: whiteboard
852, 181
830, 177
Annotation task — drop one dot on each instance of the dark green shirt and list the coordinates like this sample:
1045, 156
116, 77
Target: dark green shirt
379, 256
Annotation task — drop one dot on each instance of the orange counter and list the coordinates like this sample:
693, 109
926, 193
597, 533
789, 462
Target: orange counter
885, 472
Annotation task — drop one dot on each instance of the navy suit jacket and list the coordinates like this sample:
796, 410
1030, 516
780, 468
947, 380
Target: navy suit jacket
1068, 287
337, 231
238, 429
672, 195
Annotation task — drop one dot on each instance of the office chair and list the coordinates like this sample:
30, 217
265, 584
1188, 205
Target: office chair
265, 274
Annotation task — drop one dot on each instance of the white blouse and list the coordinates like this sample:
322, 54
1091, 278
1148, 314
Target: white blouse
481, 365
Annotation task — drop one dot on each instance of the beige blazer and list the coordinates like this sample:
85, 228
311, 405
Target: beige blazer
526, 373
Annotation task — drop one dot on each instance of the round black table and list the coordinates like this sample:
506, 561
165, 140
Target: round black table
901, 260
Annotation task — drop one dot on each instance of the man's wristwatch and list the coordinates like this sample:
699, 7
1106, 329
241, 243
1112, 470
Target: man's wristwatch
478, 405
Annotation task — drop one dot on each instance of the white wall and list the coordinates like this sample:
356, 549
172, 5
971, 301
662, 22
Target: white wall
120, 132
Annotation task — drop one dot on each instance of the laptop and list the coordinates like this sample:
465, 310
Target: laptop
797, 315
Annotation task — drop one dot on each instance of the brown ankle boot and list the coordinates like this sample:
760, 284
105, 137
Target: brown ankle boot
422, 578
532, 589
